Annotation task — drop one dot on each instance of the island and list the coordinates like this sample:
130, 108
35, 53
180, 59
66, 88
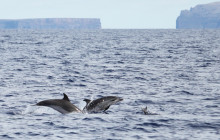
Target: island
205, 16
51, 23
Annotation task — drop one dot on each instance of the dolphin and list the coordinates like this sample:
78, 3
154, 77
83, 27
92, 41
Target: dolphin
101, 104
63, 106
146, 112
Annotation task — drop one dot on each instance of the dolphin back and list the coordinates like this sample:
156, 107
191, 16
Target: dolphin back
62, 106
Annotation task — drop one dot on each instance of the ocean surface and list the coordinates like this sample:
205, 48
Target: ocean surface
175, 73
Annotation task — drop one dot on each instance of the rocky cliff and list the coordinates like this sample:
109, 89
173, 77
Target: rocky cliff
200, 17
51, 23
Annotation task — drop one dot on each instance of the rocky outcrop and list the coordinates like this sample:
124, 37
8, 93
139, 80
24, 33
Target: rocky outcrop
200, 17
51, 23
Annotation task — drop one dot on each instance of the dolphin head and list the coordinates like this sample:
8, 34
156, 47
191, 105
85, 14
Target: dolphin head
42, 103
119, 99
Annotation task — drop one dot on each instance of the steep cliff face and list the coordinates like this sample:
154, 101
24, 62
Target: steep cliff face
200, 17
51, 23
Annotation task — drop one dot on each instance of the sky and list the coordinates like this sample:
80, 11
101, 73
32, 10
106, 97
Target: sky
114, 14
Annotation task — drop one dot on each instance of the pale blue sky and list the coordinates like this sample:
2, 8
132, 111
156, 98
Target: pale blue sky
113, 13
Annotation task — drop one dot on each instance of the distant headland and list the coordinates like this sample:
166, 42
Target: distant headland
51, 23
206, 16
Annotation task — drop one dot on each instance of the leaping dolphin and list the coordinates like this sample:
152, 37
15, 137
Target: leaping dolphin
63, 106
101, 104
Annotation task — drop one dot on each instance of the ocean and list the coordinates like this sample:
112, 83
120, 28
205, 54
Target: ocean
175, 73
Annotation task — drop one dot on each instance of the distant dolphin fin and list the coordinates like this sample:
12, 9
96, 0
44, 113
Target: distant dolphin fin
65, 97
87, 101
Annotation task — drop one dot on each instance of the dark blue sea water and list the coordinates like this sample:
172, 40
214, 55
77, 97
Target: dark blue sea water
175, 73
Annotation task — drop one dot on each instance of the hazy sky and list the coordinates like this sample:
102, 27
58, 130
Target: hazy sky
113, 13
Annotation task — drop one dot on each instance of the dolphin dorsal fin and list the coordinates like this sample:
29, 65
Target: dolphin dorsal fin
87, 101
65, 97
